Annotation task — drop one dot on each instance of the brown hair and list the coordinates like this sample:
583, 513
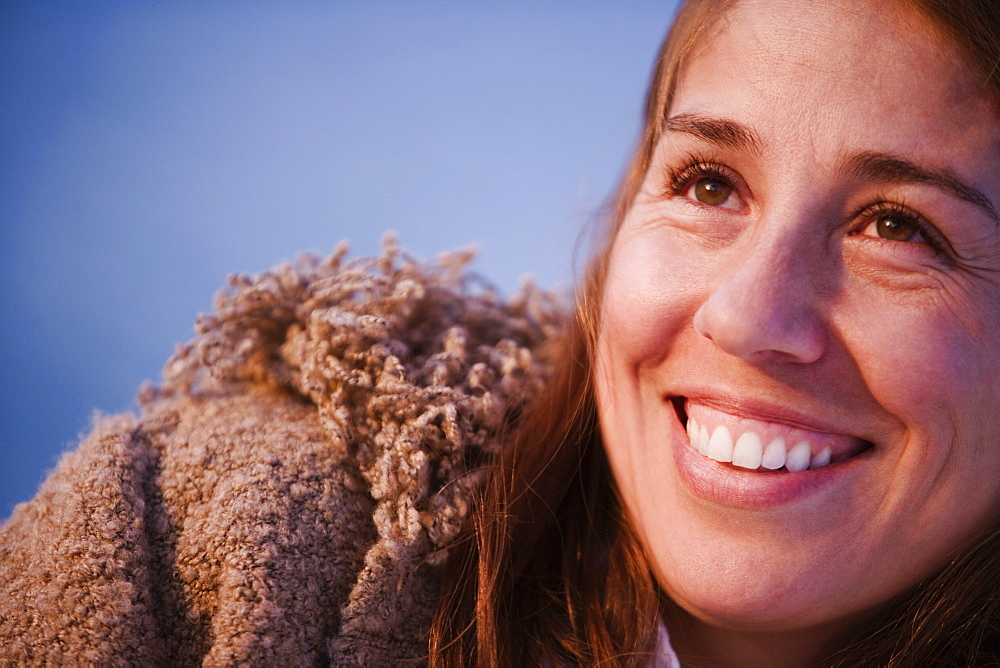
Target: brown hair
549, 568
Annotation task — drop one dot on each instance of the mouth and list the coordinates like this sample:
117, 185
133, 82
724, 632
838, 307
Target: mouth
763, 444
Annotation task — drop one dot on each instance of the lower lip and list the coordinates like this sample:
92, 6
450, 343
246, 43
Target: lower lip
727, 485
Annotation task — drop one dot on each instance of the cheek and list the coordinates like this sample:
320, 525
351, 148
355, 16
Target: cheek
650, 295
646, 305
928, 362
928, 365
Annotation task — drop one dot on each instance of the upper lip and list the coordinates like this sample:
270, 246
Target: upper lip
812, 418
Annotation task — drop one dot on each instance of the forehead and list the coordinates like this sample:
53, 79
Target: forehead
841, 72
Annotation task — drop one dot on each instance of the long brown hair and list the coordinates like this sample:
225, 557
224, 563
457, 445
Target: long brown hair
549, 570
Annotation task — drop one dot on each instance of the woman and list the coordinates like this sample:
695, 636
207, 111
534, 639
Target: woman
788, 339
767, 438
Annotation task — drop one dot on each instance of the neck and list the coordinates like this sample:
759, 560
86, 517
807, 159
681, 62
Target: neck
699, 643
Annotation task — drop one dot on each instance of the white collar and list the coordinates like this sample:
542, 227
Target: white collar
665, 656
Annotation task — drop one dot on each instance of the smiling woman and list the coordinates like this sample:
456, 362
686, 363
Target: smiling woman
827, 298
766, 437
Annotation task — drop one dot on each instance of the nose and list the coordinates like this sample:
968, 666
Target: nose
765, 308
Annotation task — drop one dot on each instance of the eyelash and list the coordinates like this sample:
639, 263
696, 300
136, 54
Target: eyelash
872, 212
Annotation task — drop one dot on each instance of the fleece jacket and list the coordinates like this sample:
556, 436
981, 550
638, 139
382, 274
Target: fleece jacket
288, 493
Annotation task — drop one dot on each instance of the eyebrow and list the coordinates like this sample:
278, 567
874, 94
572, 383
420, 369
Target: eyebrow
719, 131
727, 133
892, 169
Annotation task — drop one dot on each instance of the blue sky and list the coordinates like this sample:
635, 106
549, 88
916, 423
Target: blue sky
148, 149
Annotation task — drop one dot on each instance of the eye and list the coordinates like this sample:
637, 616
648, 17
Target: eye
894, 227
894, 223
711, 191
705, 183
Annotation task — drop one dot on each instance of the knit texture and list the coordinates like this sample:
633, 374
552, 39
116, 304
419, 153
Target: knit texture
288, 493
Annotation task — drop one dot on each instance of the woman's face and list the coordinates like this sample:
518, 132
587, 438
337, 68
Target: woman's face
813, 258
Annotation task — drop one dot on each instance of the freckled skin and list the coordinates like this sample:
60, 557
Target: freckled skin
785, 293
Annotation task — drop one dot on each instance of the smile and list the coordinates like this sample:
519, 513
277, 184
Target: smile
764, 444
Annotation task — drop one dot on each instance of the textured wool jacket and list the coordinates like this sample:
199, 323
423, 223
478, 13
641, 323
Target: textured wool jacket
287, 495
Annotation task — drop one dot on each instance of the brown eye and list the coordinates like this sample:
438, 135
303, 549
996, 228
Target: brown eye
896, 228
893, 222
711, 191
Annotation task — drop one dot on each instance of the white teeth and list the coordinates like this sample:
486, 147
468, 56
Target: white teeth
720, 448
698, 436
747, 452
822, 459
774, 455
797, 458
